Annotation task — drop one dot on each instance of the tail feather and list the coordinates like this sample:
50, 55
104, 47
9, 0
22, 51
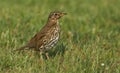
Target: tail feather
21, 48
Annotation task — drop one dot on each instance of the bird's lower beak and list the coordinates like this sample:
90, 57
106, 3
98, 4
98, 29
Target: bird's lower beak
62, 14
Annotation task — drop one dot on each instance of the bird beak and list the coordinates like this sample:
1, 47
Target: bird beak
62, 14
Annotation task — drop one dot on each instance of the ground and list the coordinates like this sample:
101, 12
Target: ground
89, 41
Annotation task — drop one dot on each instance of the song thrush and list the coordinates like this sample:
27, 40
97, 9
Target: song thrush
48, 35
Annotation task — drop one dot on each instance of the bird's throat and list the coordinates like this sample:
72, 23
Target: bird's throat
52, 22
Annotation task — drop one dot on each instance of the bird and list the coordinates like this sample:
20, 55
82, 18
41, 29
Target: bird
48, 36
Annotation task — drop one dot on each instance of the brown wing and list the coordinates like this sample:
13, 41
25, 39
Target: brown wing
38, 39
42, 37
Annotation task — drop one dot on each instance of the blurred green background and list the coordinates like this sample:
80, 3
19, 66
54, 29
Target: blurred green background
89, 42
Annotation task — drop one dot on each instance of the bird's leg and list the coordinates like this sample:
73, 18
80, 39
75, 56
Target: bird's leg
47, 56
41, 55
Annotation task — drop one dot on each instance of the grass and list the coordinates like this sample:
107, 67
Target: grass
89, 42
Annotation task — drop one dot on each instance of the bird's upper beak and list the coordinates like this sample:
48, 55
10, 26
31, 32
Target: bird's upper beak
62, 14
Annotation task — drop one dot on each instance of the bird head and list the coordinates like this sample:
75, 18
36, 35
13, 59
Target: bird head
55, 15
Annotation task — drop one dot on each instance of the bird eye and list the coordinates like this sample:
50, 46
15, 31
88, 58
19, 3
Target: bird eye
55, 14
